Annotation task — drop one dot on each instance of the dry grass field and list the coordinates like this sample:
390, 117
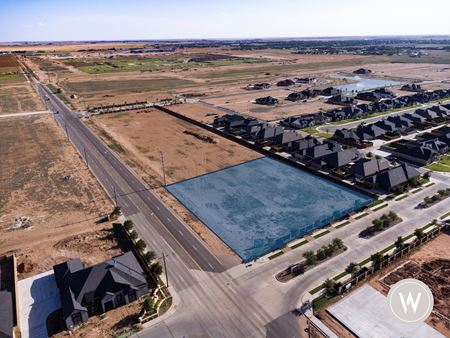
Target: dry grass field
140, 137
35, 158
16, 94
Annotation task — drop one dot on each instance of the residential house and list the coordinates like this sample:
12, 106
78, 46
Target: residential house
369, 132
388, 126
267, 132
342, 100
362, 71
428, 114
365, 167
229, 121
412, 87
394, 177
304, 143
287, 138
319, 151
267, 100
305, 80
414, 151
259, 86
285, 83
296, 96
340, 159
369, 96
90, 290
330, 91
384, 93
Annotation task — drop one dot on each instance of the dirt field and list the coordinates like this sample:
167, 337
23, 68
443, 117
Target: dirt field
19, 98
431, 265
198, 112
139, 137
35, 158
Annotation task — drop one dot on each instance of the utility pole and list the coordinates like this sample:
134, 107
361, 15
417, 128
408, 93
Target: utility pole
85, 156
165, 269
163, 168
115, 194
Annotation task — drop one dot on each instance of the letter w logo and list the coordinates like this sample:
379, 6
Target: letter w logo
410, 301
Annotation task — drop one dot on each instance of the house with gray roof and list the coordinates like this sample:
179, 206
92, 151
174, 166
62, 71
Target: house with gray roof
365, 167
90, 290
369, 132
341, 158
394, 177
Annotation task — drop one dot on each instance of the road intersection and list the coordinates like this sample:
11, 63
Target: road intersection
215, 300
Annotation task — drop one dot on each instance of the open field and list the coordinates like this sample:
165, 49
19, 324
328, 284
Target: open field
10, 72
151, 64
140, 137
197, 111
442, 165
42, 177
19, 98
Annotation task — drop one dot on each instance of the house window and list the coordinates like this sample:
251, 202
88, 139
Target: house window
77, 319
131, 296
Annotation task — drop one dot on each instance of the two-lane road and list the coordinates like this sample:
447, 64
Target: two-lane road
130, 192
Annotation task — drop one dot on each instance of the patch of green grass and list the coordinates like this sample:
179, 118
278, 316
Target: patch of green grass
295, 246
362, 215
429, 184
443, 164
316, 289
322, 234
165, 306
375, 203
342, 225
342, 274
445, 215
380, 207
321, 302
129, 332
401, 198
416, 190
314, 131
279, 253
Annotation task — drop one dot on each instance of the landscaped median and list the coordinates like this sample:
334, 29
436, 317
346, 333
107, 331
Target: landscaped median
159, 301
436, 198
356, 272
380, 224
312, 259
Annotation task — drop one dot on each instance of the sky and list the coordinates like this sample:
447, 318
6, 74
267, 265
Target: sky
63, 20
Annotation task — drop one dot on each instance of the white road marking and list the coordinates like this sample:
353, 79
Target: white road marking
168, 219
181, 233
211, 266
195, 248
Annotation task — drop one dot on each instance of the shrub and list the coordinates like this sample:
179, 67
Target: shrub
149, 256
338, 243
310, 257
133, 235
141, 245
399, 242
149, 303
156, 269
128, 225
352, 268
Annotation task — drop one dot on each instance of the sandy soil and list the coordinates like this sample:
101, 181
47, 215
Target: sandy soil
34, 159
434, 254
139, 138
19, 98
411, 71
144, 135
198, 112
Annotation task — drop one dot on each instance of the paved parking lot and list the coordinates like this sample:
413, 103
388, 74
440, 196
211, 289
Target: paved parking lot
38, 297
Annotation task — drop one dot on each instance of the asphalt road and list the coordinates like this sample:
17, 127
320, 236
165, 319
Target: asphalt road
129, 191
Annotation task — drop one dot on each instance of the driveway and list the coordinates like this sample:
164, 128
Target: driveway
38, 298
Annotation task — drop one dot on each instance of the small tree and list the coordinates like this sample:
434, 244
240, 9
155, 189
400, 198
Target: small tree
310, 257
338, 243
427, 175
321, 255
141, 245
352, 268
329, 285
419, 233
156, 269
149, 256
128, 225
392, 216
149, 304
376, 258
399, 242
133, 235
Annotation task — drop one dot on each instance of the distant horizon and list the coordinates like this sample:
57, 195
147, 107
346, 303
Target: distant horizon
135, 20
330, 37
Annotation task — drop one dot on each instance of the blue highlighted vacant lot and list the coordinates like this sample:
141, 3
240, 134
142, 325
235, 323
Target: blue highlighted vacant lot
261, 205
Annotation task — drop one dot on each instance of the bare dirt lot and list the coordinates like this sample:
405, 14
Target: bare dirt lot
431, 265
140, 137
19, 98
43, 178
198, 112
